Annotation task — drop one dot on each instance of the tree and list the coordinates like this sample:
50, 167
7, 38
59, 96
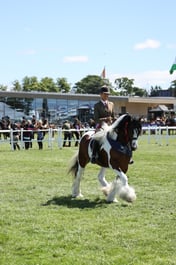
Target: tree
172, 88
91, 85
47, 85
63, 85
140, 92
30, 83
16, 86
124, 85
155, 91
3, 88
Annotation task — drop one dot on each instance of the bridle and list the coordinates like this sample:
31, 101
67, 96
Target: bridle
128, 133
136, 128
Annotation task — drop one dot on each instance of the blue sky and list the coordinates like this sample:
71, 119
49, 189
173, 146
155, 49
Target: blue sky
76, 38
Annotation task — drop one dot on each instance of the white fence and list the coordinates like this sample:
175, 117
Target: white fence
159, 135
53, 136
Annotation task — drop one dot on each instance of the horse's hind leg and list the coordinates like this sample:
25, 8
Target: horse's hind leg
101, 177
76, 191
105, 185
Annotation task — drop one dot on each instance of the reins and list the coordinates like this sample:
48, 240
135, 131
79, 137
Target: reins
126, 132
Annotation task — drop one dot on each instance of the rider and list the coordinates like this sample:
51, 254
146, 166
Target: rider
103, 112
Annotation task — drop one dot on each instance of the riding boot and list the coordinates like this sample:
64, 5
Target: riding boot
95, 146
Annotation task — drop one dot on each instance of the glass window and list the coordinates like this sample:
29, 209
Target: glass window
55, 110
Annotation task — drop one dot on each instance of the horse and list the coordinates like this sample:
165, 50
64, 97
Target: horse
116, 144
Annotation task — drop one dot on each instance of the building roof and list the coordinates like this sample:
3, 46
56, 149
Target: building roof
160, 108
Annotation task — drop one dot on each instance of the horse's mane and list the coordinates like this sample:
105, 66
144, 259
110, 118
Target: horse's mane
119, 121
118, 124
110, 129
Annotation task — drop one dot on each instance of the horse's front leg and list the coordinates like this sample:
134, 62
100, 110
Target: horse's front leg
121, 188
76, 191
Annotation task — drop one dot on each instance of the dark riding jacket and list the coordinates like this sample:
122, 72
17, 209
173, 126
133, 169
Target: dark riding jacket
104, 112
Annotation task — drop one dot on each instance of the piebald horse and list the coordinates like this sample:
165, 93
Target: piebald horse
116, 143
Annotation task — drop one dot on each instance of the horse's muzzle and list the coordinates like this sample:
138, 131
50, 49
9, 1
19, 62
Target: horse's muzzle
134, 145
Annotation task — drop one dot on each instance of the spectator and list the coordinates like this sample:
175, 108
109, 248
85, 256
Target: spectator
16, 136
27, 136
34, 121
77, 126
92, 124
40, 134
67, 133
45, 125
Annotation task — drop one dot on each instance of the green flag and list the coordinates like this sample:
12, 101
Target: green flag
173, 67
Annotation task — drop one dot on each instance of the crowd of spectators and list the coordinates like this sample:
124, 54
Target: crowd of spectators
72, 131
75, 130
28, 128
169, 120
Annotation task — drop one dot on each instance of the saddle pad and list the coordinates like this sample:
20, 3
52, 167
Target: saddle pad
124, 149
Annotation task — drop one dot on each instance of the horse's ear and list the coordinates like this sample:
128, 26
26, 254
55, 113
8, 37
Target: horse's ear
128, 118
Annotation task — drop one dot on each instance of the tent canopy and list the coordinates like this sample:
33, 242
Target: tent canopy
160, 108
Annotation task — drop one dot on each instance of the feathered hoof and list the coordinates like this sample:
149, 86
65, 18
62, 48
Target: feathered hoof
114, 201
106, 190
77, 195
127, 194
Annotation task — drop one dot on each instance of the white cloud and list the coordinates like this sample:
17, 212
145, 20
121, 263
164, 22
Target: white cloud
152, 78
147, 44
147, 79
75, 59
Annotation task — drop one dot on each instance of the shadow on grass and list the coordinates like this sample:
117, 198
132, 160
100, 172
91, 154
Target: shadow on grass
70, 202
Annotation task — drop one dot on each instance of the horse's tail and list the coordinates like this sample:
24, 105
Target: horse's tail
73, 166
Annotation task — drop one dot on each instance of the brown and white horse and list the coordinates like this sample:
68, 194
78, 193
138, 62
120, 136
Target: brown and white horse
116, 143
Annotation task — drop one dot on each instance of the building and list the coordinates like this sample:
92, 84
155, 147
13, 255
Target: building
57, 107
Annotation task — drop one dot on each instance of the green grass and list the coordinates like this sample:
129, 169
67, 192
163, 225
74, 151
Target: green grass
41, 225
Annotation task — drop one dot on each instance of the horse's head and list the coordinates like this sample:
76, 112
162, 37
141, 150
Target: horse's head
135, 131
126, 130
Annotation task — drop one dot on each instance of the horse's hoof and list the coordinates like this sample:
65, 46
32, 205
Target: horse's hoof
114, 201
106, 190
77, 196
127, 194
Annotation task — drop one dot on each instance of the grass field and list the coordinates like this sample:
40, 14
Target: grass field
41, 225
